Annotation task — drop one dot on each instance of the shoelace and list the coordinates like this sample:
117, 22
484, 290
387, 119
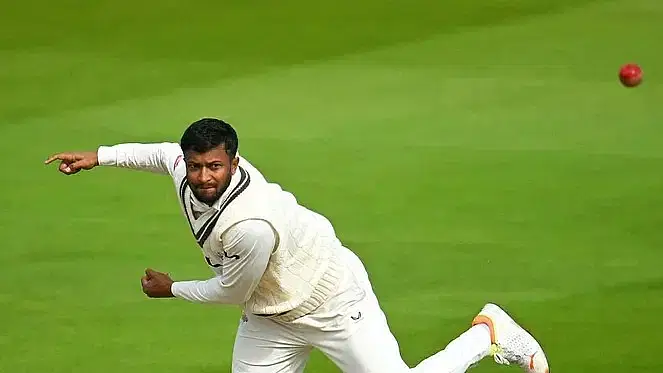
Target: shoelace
497, 353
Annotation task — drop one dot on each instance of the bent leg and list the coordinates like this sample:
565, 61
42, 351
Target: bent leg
357, 338
364, 343
263, 346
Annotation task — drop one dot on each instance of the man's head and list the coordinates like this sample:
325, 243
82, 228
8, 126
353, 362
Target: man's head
210, 148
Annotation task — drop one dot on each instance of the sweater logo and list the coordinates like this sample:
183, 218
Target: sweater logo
177, 161
225, 256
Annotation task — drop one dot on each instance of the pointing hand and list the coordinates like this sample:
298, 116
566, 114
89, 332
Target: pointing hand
72, 162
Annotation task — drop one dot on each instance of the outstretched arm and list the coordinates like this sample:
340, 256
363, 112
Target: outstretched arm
158, 157
247, 247
154, 157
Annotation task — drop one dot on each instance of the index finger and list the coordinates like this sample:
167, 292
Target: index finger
61, 156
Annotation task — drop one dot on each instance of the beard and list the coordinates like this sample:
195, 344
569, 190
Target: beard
207, 198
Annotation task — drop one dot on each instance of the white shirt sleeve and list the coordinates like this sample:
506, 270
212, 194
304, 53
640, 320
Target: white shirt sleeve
247, 247
155, 157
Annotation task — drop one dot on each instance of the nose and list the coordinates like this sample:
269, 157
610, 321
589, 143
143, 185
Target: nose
205, 175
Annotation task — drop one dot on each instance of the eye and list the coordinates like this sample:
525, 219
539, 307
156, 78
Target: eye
192, 167
216, 166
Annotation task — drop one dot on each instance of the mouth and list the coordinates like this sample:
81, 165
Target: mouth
205, 188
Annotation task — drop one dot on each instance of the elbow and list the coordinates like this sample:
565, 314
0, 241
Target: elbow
229, 293
238, 296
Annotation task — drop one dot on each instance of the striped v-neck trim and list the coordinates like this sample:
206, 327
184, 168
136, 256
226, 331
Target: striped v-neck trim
208, 226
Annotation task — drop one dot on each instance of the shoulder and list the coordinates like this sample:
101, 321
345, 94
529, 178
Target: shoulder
176, 164
249, 228
252, 170
169, 152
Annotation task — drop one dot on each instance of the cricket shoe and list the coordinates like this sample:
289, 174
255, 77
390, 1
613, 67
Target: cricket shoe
511, 344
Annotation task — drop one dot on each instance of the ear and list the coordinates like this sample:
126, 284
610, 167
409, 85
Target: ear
233, 165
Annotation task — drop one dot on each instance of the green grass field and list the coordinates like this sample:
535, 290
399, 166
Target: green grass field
468, 151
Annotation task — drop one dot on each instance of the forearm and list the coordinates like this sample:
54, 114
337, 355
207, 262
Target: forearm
154, 157
209, 291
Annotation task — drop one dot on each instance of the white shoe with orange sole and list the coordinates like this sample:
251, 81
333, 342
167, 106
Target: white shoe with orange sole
511, 344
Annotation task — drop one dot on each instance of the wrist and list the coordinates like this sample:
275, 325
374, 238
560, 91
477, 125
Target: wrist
176, 288
106, 156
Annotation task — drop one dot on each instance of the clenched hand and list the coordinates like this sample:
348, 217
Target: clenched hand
156, 284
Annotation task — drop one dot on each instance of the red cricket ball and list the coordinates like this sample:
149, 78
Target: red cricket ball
630, 75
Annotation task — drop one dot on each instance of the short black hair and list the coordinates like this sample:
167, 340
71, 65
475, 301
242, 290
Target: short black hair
206, 134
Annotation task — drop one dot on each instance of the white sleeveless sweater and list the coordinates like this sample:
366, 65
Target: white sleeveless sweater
303, 270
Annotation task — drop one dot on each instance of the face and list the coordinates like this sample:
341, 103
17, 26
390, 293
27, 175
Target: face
209, 173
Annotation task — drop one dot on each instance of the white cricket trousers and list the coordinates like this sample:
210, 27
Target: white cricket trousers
352, 331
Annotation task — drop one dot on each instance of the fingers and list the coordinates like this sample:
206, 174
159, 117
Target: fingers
66, 157
150, 273
66, 169
52, 158
78, 165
